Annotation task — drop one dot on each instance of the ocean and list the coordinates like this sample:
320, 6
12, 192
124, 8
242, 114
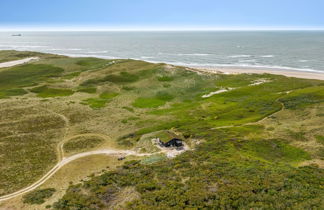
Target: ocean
287, 50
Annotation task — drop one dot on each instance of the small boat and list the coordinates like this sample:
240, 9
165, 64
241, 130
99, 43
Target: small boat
16, 35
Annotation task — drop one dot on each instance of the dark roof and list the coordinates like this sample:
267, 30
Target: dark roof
175, 142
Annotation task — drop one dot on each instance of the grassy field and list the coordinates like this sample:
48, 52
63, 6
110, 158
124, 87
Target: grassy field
255, 146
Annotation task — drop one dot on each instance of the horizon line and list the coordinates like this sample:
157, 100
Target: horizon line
126, 29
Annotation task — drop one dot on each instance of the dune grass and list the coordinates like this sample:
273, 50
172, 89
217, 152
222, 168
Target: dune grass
82, 144
46, 92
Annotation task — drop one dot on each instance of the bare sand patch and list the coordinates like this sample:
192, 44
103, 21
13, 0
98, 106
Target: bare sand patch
17, 62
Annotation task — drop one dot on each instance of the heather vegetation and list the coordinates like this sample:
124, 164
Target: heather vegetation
252, 146
39, 196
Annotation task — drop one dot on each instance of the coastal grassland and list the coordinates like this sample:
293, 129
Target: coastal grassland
81, 169
14, 79
101, 101
253, 144
11, 55
74, 66
81, 144
38, 196
238, 166
28, 138
47, 92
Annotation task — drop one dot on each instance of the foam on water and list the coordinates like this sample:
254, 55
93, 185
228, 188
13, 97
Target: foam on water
272, 50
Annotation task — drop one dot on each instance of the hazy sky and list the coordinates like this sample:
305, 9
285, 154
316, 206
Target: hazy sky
162, 13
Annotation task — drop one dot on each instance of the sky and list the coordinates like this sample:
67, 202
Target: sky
162, 14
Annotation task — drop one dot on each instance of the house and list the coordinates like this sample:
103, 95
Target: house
173, 143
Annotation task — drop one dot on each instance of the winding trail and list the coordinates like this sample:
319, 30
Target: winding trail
17, 62
65, 161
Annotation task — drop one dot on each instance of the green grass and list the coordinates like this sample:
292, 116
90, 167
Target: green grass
12, 92
72, 75
160, 99
38, 196
90, 62
101, 101
123, 77
276, 150
148, 103
303, 98
27, 75
46, 92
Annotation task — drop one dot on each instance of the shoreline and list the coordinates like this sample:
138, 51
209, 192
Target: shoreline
205, 69
240, 70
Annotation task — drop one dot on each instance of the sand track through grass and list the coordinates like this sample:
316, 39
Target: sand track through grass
65, 161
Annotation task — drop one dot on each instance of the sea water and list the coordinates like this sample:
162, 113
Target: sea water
292, 50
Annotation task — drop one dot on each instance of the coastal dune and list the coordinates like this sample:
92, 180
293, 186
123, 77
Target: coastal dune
287, 73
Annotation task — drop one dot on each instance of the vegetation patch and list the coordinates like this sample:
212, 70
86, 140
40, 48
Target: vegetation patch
87, 89
165, 78
128, 88
46, 92
303, 98
320, 139
123, 77
27, 75
90, 62
12, 92
82, 144
97, 103
38, 196
153, 159
276, 150
11, 55
72, 75
148, 102
159, 100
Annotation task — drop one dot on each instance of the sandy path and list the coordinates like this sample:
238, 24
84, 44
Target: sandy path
17, 62
65, 161
287, 73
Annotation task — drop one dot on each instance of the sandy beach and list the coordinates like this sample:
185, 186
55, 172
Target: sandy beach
287, 73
